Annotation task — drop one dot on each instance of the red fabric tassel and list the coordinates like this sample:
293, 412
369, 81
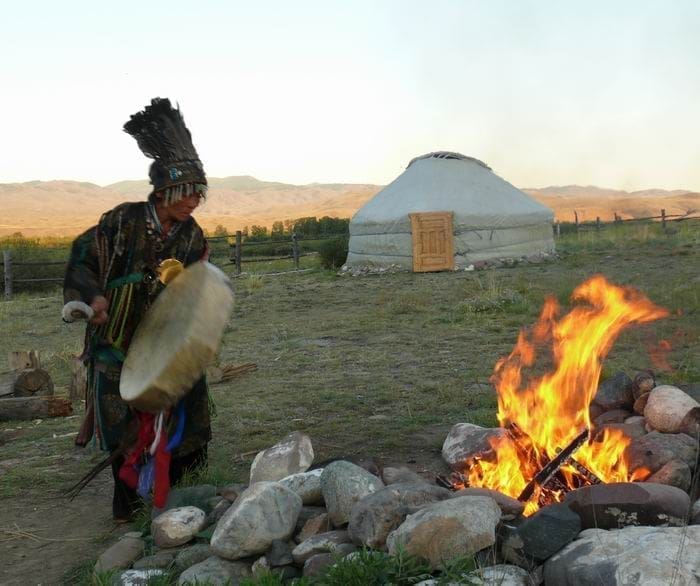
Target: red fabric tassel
129, 471
161, 482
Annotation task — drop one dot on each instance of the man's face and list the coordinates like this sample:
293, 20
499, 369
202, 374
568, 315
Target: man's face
182, 209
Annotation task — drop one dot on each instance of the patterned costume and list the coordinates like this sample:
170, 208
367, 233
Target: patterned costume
119, 259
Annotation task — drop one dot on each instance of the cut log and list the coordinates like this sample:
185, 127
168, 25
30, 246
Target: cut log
30, 382
78, 380
34, 408
21, 360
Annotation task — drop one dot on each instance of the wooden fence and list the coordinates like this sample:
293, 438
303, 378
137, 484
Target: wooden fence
236, 248
598, 224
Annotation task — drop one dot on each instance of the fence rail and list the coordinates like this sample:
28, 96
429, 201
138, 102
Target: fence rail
235, 257
598, 224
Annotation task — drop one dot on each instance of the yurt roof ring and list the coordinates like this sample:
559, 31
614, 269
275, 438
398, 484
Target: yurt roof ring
448, 155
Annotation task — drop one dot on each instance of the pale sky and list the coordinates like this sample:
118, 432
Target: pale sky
546, 92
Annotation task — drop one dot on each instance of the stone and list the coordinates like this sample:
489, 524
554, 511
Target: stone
653, 450
392, 475
540, 536
260, 566
595, 411
157, 561
507, 504
318, 524
613, 416
695, 513
307, 485
467, 441
630, 431
137, 577
673, 473
292, 455
343, 484
317, 565
177, 526
321, 543
231, 491
615, 392
640, 404
344, 550
690, 424
666, 408
264, 512
692, 389
188, 557
642, 383
378, 514
218, 511
306, 513
448, 529
286, 573
501, 575
120, 555
279, 554
632, 555
635, 426
215, 571
610, 506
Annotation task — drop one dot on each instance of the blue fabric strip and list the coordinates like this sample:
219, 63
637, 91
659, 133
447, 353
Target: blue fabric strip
177, 438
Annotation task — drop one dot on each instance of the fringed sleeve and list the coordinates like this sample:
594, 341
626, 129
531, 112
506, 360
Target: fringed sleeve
82, 280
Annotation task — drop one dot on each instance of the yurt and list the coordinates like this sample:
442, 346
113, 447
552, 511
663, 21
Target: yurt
444, 212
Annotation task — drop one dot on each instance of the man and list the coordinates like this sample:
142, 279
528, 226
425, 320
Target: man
114, 268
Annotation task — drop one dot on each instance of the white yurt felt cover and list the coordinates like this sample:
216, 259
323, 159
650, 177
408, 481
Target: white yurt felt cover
492, 218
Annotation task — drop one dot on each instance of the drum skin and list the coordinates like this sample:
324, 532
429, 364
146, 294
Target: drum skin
176, 340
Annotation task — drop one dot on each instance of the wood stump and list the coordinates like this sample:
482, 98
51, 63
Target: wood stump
27, 408
78, 380
29, 382
21, 360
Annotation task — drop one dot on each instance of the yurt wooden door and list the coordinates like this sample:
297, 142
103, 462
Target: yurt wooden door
433, 242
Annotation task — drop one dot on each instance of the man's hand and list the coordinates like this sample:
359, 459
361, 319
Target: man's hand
99, 305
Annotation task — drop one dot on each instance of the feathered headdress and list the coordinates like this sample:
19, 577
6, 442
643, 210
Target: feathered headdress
161, 134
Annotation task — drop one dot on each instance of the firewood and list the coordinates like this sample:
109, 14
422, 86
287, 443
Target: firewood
34, 408
30, 382
22, 359
78, 381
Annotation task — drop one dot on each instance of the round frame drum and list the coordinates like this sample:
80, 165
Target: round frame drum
178, 337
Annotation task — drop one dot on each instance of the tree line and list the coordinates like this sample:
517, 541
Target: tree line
308, 227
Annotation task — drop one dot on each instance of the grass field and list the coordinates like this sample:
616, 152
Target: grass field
376, 366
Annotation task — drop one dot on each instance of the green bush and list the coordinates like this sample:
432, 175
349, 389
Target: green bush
333, 253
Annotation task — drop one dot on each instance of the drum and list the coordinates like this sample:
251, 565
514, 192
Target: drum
177, 338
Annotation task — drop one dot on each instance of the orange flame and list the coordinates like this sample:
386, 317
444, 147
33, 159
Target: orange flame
552, 409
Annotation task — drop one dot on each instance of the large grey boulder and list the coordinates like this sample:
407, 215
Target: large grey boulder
695, 513
292, 455
264, 512
655, 449
666, 408
378, 514
215, 572
633, 555
120, 555
610, 506
499, 575
177, 526
448, 529
396, 475
467, 441
307, 485
343, 484
189, 556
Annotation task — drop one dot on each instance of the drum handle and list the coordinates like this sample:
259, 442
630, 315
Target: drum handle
158, 427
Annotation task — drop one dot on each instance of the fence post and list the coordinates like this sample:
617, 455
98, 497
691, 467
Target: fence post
558, 229
237, 253
576, 220
597, 223
663, 220
295, 250
7, 263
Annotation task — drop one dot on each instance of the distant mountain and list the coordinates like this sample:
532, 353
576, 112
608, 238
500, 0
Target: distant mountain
58, 208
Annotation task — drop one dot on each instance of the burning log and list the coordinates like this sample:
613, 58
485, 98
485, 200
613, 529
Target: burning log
546, 477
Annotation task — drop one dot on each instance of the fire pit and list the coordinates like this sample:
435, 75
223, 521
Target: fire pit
548, 442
